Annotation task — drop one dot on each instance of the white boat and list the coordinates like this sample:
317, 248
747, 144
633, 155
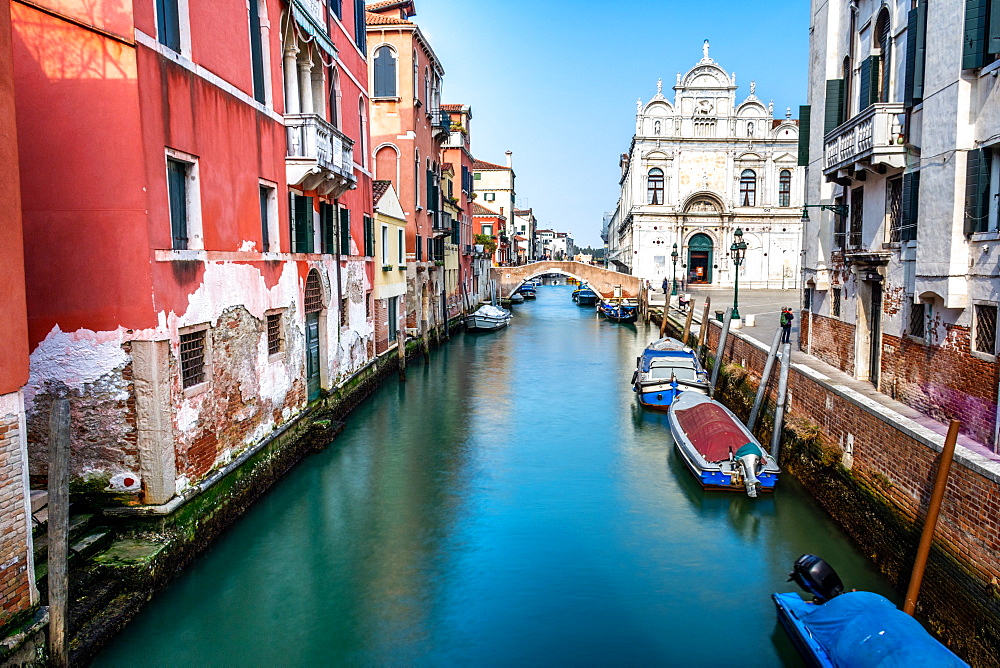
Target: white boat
487, 319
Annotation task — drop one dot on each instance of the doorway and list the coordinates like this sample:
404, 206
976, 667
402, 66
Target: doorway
875, 333
313, 303
699, 261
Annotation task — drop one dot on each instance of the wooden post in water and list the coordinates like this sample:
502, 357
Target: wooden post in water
687, 324
663, 321
779, 410
401, 349
933, 510
727, 319
764, 378
703, 328
58, 532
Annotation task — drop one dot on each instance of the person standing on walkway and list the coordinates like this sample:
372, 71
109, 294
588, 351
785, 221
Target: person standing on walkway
786, 324
666, 285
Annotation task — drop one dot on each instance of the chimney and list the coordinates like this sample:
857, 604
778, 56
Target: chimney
509, 165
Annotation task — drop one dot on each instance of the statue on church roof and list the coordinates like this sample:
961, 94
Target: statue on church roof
753, 88
638, 105
704, 50
659, 86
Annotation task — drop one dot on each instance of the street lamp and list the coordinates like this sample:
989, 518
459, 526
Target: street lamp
838, 209
737, 251
674, 256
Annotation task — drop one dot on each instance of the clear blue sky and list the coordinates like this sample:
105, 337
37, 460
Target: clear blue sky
556, 81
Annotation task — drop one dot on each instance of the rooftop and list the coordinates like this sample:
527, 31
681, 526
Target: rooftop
483, 165
379, 189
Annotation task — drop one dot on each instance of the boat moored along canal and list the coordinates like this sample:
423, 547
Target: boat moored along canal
717, 448
619, 309
487, 318
585, 295
666, 368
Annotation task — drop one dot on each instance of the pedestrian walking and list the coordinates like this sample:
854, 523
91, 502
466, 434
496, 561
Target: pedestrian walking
786, 324
666, 285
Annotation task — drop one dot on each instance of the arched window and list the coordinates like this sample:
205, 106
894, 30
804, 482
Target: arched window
785, 188
387, 165
748, 188
363, 124
846, 73
654, 186
416, 76
314, 293
334, 105
427, 88
385, 72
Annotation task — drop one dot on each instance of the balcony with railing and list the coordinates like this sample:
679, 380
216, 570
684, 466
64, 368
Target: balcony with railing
441, 222
872, 138
440, 123
319, 155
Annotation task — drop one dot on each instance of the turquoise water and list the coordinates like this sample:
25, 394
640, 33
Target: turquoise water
510, 504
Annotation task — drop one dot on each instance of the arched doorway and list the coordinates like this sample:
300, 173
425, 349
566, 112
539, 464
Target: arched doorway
313, 306
699, 259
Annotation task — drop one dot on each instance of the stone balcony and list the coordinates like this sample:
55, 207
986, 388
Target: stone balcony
869, 141
319, 157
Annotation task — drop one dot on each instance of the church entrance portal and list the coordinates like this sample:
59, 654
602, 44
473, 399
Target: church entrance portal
699, 264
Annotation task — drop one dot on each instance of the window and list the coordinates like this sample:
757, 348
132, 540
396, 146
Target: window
839, 226
420, 248
345, 317
385, 72
847, 72
401, 248
363, 124
369, 232
385, 245
393, 317
256, 53
268, 218
177, 192
302, 223
894, 206
909, 207
981, 190
327, 229
807, 299
857, 209
193, 357
917, 319
654, 186
477, 176
785, 188
981, 42
168, 24
274, 336
748, 188
835, 303
345, 231
882, 31
916, 39
313, 301
488, 230
834, 105
334, 103
336, 8
360, 25
490, 197
985, 338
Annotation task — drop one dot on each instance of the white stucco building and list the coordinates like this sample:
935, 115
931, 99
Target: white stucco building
700, 166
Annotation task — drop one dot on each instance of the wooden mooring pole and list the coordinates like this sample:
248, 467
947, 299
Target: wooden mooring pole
933, 510
687, 324
727, 319
703, 328
765, 377
779, 410
401, 349
58, 532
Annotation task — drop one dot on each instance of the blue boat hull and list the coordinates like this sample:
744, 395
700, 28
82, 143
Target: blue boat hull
630, 314
717, 480
659, 400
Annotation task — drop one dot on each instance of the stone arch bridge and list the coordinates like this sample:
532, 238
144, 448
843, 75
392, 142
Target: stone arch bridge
602, 280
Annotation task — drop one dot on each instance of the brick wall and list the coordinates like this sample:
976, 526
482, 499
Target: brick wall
381, 326
16, 568
876, 482
831, 340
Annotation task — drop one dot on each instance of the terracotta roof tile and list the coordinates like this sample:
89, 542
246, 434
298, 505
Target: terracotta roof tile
452, 107
482, 164
389, 4
373, 19
480, 210
445, 166
379, 189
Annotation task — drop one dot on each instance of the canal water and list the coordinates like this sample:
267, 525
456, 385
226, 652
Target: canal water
510, 504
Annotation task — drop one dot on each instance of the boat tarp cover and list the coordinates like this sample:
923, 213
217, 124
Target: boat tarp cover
711, 430
649, 355
491, 311
862, 628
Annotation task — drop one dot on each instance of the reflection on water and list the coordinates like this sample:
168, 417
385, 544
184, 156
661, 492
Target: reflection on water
511, 504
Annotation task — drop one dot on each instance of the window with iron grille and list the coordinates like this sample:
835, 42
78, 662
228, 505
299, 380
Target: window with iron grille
313, 301
894, 206
807, 299
835, 307
985, 340
917, 320
273, 333
368, 305
344, 315
857, 209
839, 226
192, 351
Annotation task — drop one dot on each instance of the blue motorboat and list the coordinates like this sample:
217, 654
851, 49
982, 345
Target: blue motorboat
585, 296
619, 310
860, 629
666, 368
527, 290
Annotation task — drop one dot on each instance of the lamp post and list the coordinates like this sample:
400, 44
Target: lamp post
737, 251
674, 256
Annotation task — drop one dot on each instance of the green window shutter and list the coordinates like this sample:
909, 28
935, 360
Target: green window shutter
916, 40
993, 38
911, 196
868, 82
177, 196
302, 224
911, 57
834, 105
974, 39
977, 183
369, 237
327, 229
345, 231
805, 113
876, 78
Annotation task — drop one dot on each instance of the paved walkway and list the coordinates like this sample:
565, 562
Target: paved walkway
766, 305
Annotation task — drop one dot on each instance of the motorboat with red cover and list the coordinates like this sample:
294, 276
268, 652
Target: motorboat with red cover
717, 448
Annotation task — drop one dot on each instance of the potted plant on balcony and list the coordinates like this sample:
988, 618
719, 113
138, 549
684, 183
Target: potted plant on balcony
438, 263
487, 242
387, 267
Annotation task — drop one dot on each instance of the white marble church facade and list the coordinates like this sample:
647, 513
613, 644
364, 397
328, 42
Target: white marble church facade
699, 167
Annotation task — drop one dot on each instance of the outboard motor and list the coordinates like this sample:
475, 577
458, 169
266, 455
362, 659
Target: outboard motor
816, 577
748, 457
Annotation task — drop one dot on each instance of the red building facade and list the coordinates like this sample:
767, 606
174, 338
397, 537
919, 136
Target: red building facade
202, 271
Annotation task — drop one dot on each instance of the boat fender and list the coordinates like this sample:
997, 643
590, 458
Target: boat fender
635, 376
